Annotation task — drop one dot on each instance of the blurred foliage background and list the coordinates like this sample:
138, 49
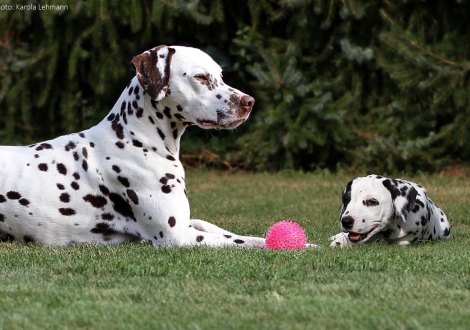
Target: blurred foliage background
374, 85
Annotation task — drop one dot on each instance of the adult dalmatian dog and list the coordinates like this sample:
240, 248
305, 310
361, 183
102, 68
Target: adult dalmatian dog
122, 180
395, 210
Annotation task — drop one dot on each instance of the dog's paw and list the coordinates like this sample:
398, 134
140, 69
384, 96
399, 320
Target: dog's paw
340, 240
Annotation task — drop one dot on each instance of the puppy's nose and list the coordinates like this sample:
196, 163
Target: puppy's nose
247, 101
347, 222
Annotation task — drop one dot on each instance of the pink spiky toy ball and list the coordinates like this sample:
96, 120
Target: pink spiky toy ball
286, 235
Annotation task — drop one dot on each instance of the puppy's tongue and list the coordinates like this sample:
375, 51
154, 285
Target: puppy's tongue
354, 237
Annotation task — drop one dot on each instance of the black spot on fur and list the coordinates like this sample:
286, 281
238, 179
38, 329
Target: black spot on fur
132, 196
179, 117
154, 103
167, 112
75, 156
116, 169
137, 143
71, 145
104, 190
95, 200
130, 111
76, 176
159, 115
179, 107
239, 241
151, 120
120, 145
200, 238
75, 185
43, 167
67, 211
64, 198
166, 189
139, 113
85, 152
121, 206
85, 165
13, 195
2, 218
172, 221
60, 186
124, 181
170, 157
161, 133
104, 229
107, 216
61, 169
43, 146
111, 117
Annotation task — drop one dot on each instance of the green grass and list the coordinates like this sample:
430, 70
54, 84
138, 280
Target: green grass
134, 286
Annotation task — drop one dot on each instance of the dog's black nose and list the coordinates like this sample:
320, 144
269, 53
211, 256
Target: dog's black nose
347, 222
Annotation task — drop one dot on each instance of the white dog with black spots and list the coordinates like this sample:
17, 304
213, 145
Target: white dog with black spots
122, 179
395, 210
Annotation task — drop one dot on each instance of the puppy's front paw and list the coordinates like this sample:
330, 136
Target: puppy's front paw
340, 240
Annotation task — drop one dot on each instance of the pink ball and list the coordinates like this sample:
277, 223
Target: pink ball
286, 235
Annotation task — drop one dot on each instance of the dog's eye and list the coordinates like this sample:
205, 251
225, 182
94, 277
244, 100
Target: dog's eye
371, 202
205, 78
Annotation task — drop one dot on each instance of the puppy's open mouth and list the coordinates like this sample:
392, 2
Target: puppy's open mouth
356, 237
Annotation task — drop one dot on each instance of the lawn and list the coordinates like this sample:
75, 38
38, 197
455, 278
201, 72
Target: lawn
135, 286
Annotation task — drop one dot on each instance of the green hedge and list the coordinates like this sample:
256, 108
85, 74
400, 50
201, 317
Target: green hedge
376, 85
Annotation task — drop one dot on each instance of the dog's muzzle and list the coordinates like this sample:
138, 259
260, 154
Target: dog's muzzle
347, 223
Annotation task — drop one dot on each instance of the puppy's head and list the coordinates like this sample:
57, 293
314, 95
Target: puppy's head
190, 83
371, 203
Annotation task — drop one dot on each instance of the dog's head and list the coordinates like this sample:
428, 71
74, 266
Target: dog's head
189, 80
371, 203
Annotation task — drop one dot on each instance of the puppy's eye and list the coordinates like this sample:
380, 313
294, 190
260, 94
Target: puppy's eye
371, 202
205, 78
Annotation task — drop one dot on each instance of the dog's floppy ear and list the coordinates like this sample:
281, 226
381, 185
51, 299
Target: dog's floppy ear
403, 196
346, 198
153, 70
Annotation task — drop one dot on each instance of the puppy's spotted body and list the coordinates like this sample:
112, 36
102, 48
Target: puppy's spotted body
122, 180
395, 210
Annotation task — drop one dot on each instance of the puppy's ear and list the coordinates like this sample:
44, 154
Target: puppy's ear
346, 198
403, 196
153, 70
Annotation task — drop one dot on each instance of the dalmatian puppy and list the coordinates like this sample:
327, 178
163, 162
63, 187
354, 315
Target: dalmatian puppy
395, 210
122, 180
